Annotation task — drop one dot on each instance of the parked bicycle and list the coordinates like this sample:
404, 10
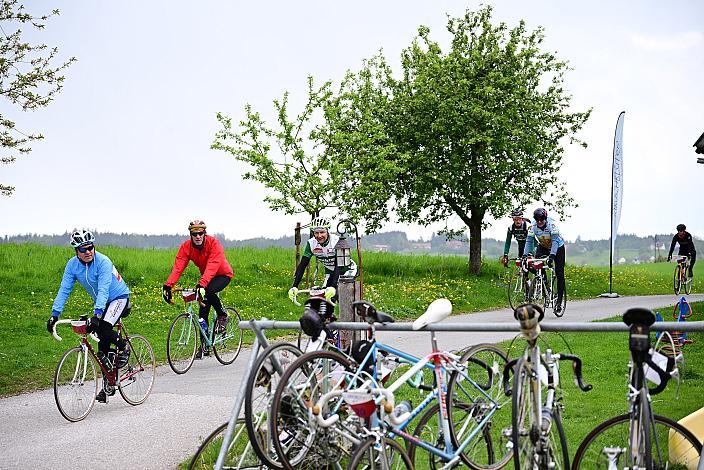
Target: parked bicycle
464, 407
240, 453
681, 275
76, 381
537, 434
186, 333
640, 439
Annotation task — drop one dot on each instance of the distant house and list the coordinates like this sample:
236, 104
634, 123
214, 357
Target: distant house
622, 260
380, 248
455, 244
425, 246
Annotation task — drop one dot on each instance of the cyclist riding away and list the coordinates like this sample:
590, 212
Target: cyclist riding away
322, 246
208, 255
687, 248
545, 232
518, 230
96, 273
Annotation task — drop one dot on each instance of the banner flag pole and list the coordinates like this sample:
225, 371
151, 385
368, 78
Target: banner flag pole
616, 196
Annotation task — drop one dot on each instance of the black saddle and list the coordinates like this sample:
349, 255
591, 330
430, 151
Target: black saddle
369, 312
638, 316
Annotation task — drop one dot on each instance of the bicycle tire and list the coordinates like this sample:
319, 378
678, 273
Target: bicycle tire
237, 457
517, 289
564, 454
367, 456
257, 408
136, 379
228, 344
554, 296
75, 384
677, 280
688, 285
306, 445
185, 338
613, 433
520, 436
484, 364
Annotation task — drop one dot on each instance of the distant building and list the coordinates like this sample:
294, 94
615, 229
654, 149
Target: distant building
425, 246
380, 248
622, 260
455, 244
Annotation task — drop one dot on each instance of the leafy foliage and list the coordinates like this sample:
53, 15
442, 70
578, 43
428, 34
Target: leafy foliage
288, 159
473, 131
28, 77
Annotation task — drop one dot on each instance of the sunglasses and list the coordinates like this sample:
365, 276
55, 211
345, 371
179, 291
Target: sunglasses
197, 234
83, 249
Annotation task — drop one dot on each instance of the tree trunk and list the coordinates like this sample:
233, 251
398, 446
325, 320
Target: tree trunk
475, 242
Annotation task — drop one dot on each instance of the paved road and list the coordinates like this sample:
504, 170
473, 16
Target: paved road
183, 409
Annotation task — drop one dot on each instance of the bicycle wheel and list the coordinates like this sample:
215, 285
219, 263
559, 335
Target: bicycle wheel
671, 445
75, 384
181, 343
517, 289
298, 440
688, 285
260, 391
537, 290
428, 431
558, 456
521, 412
239, 453
484, 364
553, 295
136, 379
677, 280
387, 455
227, 345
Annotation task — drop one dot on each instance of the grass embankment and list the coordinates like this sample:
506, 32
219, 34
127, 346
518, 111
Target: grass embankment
401, 285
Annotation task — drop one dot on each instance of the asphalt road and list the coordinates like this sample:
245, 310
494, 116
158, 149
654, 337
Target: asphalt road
183, 409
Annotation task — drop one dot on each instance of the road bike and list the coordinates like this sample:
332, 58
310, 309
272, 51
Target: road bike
640, 439
681, 275
543, 286
240, 454
537, 434
76, 380
465, 407
186, 332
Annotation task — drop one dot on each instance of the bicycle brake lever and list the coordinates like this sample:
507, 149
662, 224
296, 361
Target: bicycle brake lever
508, 367
577, 370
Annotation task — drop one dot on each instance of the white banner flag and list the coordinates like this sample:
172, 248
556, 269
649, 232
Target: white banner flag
617, 181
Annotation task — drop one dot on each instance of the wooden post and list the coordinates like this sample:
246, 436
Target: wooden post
297, 240
345, 297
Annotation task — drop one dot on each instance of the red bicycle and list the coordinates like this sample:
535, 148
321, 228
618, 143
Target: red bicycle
76, 380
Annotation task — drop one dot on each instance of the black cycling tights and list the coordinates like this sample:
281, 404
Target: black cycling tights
107, 336
559, 268
217, 284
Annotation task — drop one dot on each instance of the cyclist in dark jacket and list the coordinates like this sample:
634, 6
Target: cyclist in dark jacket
518, 230
684, 238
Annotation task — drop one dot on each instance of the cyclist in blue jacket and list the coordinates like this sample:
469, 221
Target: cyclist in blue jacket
544, 230
96, 273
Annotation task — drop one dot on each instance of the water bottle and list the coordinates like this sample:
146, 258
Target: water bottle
403, 407
203, 324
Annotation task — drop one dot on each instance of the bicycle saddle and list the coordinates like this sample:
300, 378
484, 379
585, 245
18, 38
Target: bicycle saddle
368, 312
527, 312
437, 311
638, 316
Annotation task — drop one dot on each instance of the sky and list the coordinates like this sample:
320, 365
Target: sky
127, 141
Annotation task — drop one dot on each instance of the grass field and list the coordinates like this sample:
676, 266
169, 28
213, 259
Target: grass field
401, 285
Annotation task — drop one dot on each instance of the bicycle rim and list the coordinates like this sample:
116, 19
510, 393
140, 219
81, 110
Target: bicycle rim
521, 412
559, 456
298, 441
517, 294
228, 344
239, 453
427, 430
385, 455
671, 444
75, 384
136, 379
677, 280
491, 449
260, 392
181, 343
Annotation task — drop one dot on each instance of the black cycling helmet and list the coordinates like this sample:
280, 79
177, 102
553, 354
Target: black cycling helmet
681, 227
517, 213
540, 214
311, 323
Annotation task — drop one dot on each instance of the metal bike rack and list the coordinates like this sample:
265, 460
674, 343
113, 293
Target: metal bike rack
258, 326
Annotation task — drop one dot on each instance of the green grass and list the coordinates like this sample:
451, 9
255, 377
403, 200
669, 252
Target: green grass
401, 285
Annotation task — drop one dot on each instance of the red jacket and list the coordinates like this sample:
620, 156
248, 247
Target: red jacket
210, 259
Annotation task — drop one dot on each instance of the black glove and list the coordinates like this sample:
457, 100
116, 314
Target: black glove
669, 258
92, 324
551, 260
166, 293
50, 323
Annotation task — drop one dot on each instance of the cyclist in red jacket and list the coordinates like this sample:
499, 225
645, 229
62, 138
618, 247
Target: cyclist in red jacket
207, 253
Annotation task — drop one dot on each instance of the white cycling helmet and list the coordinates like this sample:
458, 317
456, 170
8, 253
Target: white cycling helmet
81, 237
320, 223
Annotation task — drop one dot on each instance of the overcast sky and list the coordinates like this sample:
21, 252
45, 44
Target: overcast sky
126, 145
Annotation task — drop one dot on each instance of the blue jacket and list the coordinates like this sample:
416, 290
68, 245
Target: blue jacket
548, 237
99, 278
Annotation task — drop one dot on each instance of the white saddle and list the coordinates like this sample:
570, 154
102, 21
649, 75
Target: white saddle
436, 312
